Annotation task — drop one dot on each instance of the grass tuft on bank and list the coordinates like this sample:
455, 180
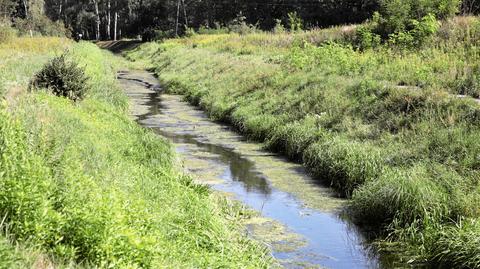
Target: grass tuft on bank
386, 127
85, 186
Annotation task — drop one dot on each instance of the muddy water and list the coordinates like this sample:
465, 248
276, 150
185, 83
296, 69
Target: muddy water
299, 219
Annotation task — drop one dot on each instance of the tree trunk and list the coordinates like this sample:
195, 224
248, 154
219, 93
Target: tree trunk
97, 20
60, 9
25, 6
176, 21
109, 20
115, 26
185, 14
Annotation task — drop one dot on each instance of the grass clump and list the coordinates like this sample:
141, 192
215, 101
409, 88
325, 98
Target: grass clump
63, 78
457, 247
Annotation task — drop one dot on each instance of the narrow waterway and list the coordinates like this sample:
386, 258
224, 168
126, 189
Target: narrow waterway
299, 219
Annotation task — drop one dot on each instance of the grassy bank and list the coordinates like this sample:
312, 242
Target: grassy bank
384, 126
82, 185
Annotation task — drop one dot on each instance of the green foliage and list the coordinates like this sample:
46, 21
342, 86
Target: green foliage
347, 165
189, 32
63, 77
420, 32
382, 126
240, 26
457, 247
88, 200
460, 30
411, 23
366, 38
7, 7
295, 22
403, 196
7, 255
396, 15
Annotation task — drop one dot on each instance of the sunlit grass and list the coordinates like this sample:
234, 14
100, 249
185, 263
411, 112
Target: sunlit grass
383, 126
86, 186
21, 57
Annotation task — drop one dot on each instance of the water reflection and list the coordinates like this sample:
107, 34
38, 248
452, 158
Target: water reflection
239, 168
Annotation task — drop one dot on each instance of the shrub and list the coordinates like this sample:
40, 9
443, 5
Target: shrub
240, 26
397, 14
425, 28
63, 77
189, 32
366, 38
410, 22
420, 32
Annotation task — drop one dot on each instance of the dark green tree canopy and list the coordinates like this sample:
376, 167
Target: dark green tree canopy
110, 19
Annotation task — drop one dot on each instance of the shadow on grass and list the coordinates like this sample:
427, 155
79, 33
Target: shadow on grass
119, 46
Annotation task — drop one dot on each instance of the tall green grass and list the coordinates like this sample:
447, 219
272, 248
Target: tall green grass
84, 184
383, 126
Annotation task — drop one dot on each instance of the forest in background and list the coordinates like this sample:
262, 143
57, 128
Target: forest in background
115, 19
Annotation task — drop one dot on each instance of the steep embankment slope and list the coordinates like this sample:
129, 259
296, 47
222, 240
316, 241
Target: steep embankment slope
385, 126
86, 186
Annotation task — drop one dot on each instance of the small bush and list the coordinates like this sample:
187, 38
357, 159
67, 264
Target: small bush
240, 26
367, 39
460, 30
189, 32
410, 23
63, 77
420, 32
396, 15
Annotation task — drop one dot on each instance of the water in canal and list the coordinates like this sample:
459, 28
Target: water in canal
300, 220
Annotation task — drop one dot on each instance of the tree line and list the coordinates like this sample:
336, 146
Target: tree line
113, 19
